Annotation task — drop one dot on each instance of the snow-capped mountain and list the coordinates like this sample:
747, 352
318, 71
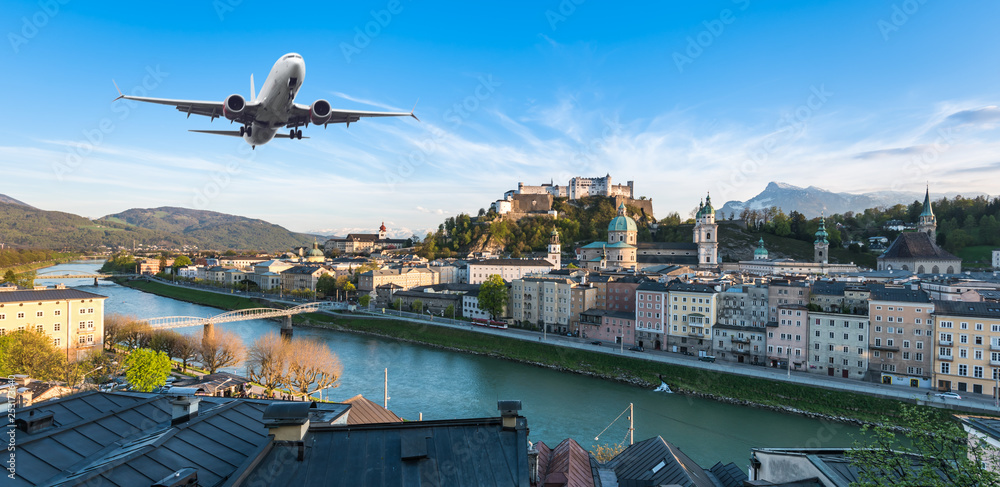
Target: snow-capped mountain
812, 201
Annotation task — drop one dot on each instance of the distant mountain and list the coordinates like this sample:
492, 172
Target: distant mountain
812, 201
212, 229
11, 201
25, 226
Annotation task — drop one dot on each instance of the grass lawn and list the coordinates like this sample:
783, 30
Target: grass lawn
978, 253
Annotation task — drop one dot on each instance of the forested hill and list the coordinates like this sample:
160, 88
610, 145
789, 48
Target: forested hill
212, 229
24, 226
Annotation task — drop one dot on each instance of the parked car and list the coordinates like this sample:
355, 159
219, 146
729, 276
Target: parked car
948, 395
707, 358
595, 342
635, 348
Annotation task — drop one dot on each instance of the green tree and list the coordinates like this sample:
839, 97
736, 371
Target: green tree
365, 300
493, 295
182, 261
24, 279
417, 306
147, 369
933, 451
450, 311
31, 353
326, 284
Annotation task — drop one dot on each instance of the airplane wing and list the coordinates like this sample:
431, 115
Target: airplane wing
300, 115
236, 133
212, 109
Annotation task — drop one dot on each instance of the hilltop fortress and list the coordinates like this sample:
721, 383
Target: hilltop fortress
537, 200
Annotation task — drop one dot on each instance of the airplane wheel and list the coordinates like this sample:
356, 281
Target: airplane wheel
298, 134
243, 130
249, 131
291, 134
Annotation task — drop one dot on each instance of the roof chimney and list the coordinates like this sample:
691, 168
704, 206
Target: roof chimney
508, 413
288, 421
35, 422
185, 404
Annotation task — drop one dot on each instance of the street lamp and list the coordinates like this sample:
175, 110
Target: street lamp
83, 378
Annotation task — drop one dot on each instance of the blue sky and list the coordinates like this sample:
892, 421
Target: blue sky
682, 97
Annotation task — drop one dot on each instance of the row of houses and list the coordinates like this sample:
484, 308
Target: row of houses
916, 334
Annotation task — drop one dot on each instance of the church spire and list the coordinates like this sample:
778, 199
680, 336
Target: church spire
928, 211
821, 234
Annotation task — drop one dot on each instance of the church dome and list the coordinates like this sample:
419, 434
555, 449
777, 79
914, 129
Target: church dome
622, 223
760, 252
382, 228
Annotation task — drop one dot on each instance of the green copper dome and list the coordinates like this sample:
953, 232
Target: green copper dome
761, 252
622, 223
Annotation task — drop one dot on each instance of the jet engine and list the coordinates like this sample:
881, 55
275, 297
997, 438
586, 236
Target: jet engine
233, 107
319, 112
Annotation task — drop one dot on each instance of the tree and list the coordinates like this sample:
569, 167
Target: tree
219, 350
31, 353
267, 361
449, 311
182, 261
326, 284
147, 369
163, 341
364, 300
417, 306
493, 295
313, 365
25, 279
933, 451
185, 348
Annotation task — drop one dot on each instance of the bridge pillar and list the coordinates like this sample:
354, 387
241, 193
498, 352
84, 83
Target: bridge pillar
286, 327
209, 331
95, 282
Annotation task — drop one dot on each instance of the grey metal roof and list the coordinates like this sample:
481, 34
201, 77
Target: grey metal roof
30, 295
728, 475
900, 295
467, 452
652, 286
513, 262
961, 308
634, 466
691, 288
126, 439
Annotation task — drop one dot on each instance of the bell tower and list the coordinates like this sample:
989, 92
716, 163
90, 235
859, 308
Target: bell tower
821, 247
927, 222
555, 250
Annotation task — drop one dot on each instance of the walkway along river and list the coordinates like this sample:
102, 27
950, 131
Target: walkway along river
444, 384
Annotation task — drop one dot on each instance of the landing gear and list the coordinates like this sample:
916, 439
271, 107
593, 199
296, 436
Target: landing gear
248, 130
295, 134
243, 131
298, 134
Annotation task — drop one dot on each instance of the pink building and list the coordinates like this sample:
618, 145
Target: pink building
612, 327
788, 337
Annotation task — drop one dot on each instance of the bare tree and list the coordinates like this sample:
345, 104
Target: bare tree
313, 364
163, 341
114, 328
267, 361
135, 334
222, 349
186, 348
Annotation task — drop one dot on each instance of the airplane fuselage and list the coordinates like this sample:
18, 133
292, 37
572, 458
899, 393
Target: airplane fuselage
276, 98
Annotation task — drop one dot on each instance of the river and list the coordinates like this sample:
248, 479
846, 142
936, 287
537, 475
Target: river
443, 384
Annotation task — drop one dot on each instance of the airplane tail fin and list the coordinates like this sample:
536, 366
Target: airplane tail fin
253, 90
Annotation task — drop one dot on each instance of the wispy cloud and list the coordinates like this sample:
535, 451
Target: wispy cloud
373, 103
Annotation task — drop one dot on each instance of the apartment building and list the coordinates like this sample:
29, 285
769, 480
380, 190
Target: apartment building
834, 297
404, 277
900, 338
73, 319
739, 343
838, 344
303, 277
692, 313
608, 326
544, 301
651, 315
968, 343
785, 291
788, 338
744, 306
582, 298
508, 269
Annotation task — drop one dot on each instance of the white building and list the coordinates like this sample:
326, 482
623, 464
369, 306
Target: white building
508, 269
996, 259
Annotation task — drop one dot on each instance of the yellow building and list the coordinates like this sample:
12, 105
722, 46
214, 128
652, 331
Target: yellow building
74, 319
967, 338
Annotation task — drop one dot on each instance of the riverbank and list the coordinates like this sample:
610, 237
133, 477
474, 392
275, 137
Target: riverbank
741, 390
18, 269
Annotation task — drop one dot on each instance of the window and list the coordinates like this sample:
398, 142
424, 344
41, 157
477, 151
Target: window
20, 315
57, 312
963, 370
945, 368
56, 327
39, 313
919, 357
56, 342
977, 371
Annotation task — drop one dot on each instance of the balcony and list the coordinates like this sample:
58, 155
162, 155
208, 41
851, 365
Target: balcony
945, 357
994, 362
885, 348
739, 340
945, 343
695, 334
995, 347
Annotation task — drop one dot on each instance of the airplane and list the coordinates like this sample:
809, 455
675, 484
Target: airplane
275, 108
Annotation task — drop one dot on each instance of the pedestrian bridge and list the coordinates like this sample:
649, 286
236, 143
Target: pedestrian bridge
56, 275
167, 322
